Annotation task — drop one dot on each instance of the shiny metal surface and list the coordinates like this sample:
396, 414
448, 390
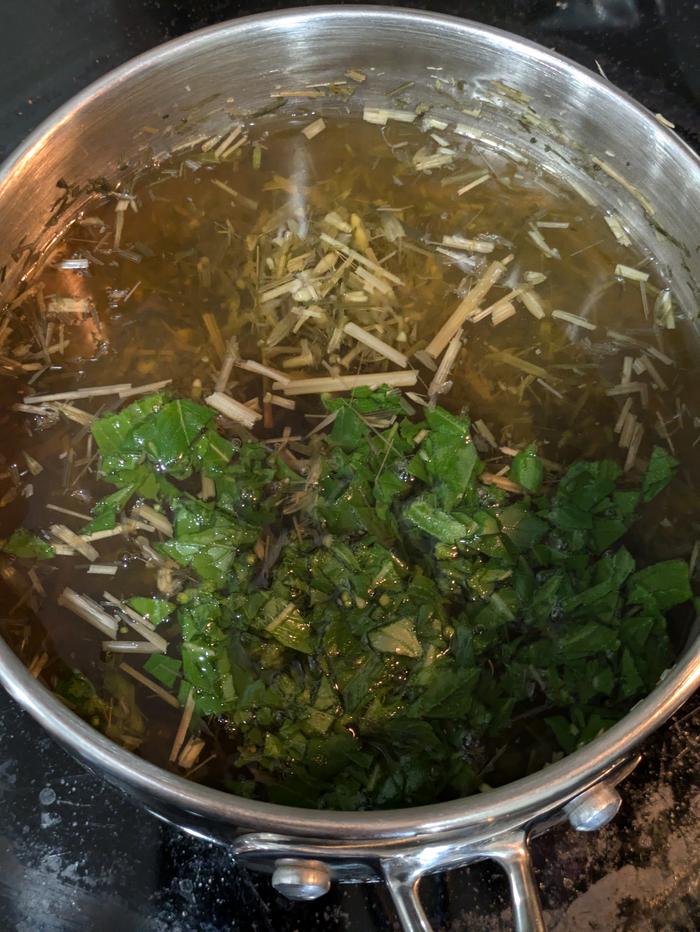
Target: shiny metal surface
403, 874
301, 879
594, 808
402, 866
573, 116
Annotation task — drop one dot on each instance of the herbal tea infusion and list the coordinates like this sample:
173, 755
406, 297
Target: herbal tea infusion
348, 462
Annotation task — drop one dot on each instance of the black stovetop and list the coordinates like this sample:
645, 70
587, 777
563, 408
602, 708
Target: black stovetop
74, 853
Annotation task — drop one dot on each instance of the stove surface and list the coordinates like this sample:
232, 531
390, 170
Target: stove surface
74, 853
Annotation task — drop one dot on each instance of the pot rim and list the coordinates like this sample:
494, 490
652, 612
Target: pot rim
545, 789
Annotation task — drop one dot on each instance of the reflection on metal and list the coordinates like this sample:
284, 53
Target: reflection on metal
304, 869
594, 808
301, 880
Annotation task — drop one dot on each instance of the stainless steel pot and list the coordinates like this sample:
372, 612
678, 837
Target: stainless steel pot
567, 119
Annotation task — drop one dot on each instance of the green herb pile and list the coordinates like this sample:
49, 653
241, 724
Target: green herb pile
400, 625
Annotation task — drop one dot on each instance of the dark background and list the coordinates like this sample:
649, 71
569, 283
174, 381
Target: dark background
75, 854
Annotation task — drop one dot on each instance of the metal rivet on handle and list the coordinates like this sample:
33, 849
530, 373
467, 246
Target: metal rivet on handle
594, 808
301, 880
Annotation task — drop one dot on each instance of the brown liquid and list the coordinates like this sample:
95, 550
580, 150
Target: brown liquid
190, 239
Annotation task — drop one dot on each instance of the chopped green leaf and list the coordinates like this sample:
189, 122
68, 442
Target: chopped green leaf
667, 583
449, 456
80, 695
162, 668
661, 469
290, 629
374, 624
155, 610
397, 638
425, 516
167, 436
113, 432
631, 683
22, 543
586, 640
106, 510
213, 453
527, 469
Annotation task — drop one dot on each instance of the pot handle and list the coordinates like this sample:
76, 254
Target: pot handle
303, 869
403, 876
